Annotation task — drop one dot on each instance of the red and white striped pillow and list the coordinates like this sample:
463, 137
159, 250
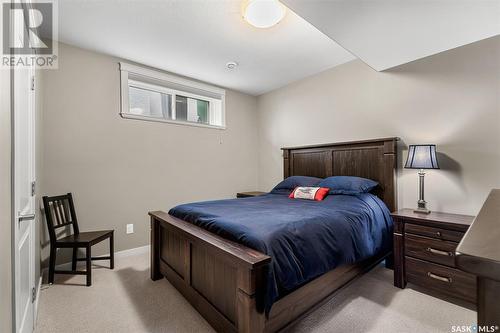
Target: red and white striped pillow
309, 193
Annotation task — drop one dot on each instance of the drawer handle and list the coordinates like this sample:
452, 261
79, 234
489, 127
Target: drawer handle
440, 278
442, 253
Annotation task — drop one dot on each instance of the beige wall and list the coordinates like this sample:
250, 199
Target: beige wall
119, 169
5, 204
450, 99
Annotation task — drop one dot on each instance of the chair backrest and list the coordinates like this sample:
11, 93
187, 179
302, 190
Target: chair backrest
59, 213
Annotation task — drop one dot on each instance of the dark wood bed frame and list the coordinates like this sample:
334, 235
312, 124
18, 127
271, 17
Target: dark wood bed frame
225, 281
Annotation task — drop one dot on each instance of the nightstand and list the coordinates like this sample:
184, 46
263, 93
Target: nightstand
249, 194
424, 253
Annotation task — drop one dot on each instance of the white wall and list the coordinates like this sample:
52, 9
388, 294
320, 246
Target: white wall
450, 99
119, 169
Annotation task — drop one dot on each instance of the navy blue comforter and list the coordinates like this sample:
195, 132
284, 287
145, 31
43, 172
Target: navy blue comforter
304, 238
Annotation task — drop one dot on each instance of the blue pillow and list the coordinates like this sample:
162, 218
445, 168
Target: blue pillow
290, 183
348, 185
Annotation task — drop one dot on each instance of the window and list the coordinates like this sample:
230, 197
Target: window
150, 95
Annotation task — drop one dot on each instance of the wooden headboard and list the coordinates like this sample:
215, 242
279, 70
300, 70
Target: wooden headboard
373, 159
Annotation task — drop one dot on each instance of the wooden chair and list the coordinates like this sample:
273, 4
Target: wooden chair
59, 213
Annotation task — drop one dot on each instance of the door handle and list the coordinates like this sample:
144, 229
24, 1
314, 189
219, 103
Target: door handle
27, 217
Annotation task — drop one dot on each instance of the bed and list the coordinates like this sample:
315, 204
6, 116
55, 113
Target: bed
227, 279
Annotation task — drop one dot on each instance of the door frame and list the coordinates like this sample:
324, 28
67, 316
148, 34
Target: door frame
13, 215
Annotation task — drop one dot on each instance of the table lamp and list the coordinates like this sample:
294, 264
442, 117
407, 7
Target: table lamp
421, 157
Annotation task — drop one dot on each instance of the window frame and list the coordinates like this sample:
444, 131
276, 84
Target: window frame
147, 87
166, 80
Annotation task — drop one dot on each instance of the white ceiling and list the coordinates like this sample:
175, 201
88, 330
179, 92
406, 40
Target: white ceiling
197, 38
388, 33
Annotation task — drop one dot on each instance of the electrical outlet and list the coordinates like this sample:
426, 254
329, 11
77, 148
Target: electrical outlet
130, 228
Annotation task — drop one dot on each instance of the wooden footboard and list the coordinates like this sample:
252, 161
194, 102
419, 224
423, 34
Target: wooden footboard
221, 279
226, 281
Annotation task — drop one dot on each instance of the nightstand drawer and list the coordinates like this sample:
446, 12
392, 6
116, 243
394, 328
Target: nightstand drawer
444, 234
438, 251
445, 280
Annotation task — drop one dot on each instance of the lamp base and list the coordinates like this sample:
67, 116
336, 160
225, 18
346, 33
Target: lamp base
421, 203
422, 211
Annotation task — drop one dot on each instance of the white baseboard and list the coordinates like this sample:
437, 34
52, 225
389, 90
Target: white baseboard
119, 254
37, 297
134, 251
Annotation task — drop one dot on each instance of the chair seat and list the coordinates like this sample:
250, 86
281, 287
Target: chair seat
84, 238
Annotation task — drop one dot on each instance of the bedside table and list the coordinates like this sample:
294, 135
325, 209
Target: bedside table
424, 253
249, 194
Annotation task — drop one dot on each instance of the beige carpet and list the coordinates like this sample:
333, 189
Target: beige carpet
126, 300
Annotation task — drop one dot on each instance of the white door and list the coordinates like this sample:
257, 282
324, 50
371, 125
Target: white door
24, 199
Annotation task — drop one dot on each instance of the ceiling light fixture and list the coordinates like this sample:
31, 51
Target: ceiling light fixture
263, 13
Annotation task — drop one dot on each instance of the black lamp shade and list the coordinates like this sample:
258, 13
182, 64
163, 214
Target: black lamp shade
422, 157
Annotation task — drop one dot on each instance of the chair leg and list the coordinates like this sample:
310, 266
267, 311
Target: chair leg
89, 266
52, 264
73, 262
111, 252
